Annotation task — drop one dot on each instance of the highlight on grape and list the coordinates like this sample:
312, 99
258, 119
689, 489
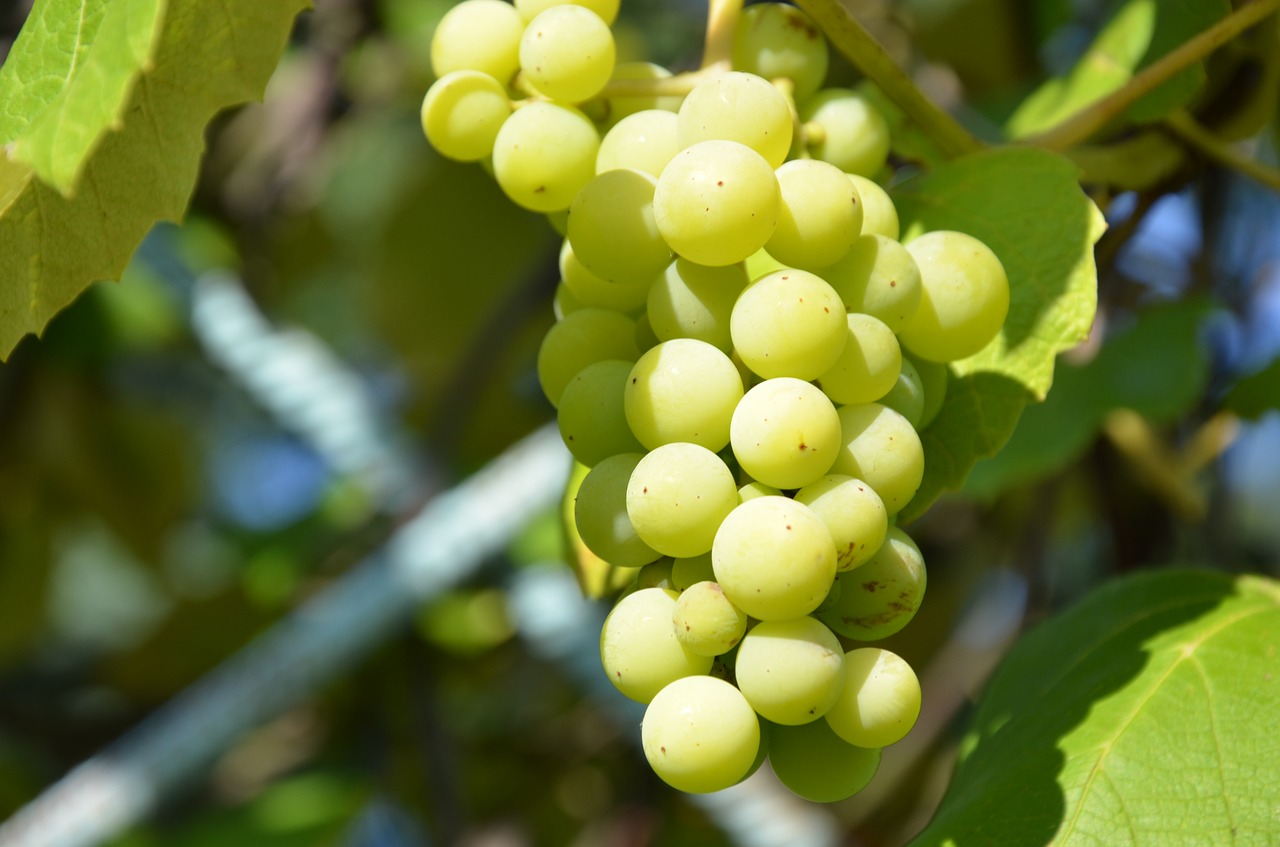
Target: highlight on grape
743, 357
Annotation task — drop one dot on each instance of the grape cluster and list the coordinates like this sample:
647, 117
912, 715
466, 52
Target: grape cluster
743, 355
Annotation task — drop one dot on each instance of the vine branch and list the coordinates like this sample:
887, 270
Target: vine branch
1084, 123
852, 39
1189, 130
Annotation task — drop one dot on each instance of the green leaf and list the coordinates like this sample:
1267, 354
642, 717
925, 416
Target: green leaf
1145, 715
105, 106
1026, 205
1156, 367
1140, 32
1255, 395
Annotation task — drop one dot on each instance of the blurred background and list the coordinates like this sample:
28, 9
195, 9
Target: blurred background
157, 511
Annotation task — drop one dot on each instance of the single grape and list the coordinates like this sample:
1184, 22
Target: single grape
700, 735
687, 571
639, 649
879, 216
880, 700
907, 395
600, 514
933, 378
854, 136
544, 154
478, 35
777, 40
682, 390
761, 264
462, 113
820, 217
565, 302
785, 433
790, 671
612, 229
590, 415
706, 622
753, 489
818, 765
789, 323
965, 297
656, 575
868, 366
689, 300
591, 290
882, 449
645, 339
774, 558
880, 597
583, 337
530, 9
739, 107
644, 141
853, 513
617, 108
878, 277
567, 53
717, 202
677, 497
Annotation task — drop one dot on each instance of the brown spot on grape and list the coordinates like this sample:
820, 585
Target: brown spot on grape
788, 527
720, 183
663, 749
634, 380
540, 189
803, 446
893, 283
645, 490
870, 587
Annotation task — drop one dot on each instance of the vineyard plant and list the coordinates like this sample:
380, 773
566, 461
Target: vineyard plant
584, 422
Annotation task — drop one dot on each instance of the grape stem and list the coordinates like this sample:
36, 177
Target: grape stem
852, 39
671, 86
1202, 140
722, 22
1084, 123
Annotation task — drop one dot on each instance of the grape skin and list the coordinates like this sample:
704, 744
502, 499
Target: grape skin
700, 735
639, 649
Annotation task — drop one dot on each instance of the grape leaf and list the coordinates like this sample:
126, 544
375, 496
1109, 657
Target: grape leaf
1027, 206
1142, 716
1156, 367
103, 121
1140, 32
1256, 394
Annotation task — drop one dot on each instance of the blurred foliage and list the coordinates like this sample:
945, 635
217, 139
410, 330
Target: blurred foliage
153, 520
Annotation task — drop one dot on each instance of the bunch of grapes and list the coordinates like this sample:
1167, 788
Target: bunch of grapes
743, 356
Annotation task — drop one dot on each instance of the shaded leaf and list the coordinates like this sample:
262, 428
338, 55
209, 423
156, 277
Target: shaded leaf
1138, 717
1255, 395
1026, 205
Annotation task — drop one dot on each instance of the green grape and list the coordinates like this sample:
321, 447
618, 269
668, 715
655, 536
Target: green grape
645, 339
677, 497
639, 649
818, 765
600, 514
789, 323
738, 107
559, 221
700, 735
853, 513
656, 575
965, 297
882, 449
717, 202
785, 433
544, 154
879, 216
583, 337
820, 216
682, 390
612, 230
644, 141
776, 40
591, 418
907, 395
706, 622
933, 379
880, 700
760, 264
590, 290
790, 671
478, 35
567, 53
620, 107
690, 570
565, 302
754, 489
462, 113
854, 136
689, 300
878, 277
774, 558
530, 9
880, 597
869, 365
